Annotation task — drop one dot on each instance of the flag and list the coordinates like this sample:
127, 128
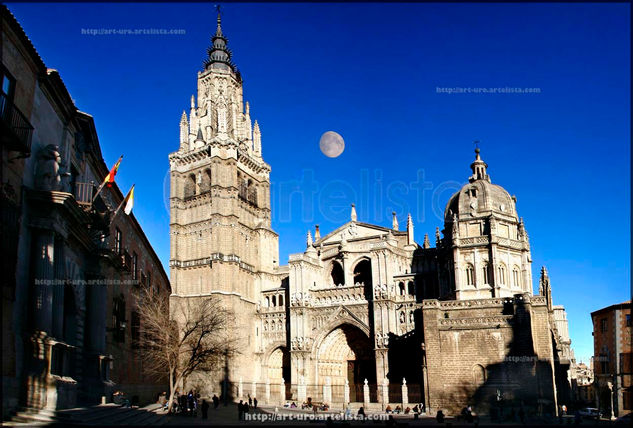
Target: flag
110, 177
129, 201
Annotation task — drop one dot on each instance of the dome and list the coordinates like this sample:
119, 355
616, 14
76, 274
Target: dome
480, 198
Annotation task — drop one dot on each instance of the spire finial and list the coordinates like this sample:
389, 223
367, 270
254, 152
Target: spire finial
478, 166
394, 221
427, 243
353, 215
218, 52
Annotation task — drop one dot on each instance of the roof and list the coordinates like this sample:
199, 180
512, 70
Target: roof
623, 305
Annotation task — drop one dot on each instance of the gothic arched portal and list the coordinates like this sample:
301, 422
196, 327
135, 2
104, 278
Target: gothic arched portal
346, 353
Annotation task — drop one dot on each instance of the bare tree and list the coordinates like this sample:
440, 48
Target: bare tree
191, 337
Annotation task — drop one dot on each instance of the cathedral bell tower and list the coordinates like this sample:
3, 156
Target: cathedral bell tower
220, 220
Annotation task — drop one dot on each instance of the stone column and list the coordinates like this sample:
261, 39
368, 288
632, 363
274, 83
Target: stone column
267, 397
385, 392
240, 389
405, 394
282, 391
327, 391
366, 393
43, 272
254, 389
346, 394
301, 389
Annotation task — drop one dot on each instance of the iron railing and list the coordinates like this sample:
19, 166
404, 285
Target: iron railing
17, 124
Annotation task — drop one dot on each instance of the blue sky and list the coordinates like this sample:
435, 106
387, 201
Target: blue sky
370, 72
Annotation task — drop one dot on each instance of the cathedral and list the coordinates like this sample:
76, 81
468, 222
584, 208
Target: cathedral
365, 314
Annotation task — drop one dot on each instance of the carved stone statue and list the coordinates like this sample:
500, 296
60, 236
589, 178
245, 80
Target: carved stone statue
47, 172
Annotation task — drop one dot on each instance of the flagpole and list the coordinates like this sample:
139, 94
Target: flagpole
127, 197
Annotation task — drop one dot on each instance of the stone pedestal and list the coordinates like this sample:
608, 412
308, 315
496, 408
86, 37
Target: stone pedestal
366, 394
405, 393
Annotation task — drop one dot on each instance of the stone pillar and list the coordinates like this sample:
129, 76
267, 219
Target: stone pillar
366, 393
346, 394
240, 389
43, 271
282, 391
384, 392
254, 389
405, 394
327, 391
267, 397
301, 389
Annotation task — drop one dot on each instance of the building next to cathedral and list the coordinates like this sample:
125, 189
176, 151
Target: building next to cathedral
364, 314
70, 262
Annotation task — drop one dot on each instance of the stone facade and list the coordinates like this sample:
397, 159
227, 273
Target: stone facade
613, 359
364, 314
66, 325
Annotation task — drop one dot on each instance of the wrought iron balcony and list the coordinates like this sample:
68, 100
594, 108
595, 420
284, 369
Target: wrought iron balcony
16, 129
84, 192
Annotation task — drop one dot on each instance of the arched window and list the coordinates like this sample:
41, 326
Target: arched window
411, 288
205, 186
401, 288
274, 299
267, 302
190, 186
502, 273
516, 277
281, 300
470, 274
362, 275
337, 275
485, 273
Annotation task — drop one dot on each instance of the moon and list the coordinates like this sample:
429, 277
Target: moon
331, 144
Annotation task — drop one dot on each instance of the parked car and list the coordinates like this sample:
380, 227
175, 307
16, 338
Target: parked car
589, 413
624, 420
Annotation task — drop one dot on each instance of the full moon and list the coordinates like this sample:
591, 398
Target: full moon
332, 144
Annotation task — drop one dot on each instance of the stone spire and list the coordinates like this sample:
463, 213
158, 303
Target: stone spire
309, 239
257, 139
199, 137
426, 243
218, 52
410, 239
184, 131
544, 287
317, 232
438, 237
479, 168
394, 221
353, 215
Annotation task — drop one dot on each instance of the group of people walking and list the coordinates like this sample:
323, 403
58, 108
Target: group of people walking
243, 407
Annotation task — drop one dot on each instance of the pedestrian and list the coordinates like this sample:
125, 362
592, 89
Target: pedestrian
216, 401
190, 403
439, 417
361, 413
240, 410
250, 400
245, 409
255, 402
205, 409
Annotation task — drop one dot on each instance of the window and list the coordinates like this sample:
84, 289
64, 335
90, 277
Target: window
401, 288
411, 288
118, 319
118, 237
470, 275
484, 272
134, 266
8, 84
603, 325
135, 321
502, 273
628, 320
515, 277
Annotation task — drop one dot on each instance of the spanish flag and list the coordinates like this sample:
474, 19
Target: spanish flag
110, 177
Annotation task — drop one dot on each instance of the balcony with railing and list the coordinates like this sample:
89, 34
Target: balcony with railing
84, 192
17, 131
